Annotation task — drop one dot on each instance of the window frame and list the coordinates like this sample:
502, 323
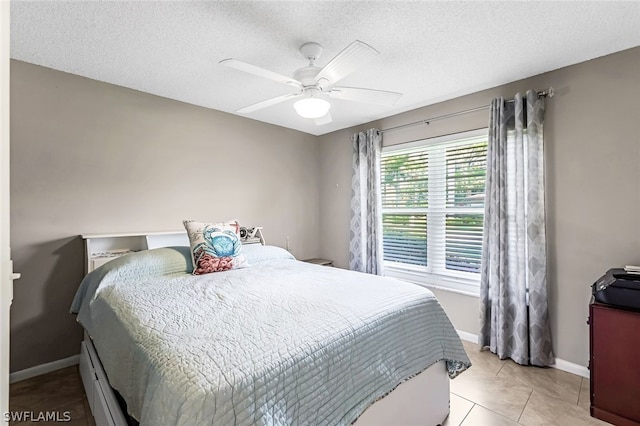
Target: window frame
467, 283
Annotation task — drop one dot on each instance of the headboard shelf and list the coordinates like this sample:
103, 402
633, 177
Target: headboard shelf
130, 234
102, 248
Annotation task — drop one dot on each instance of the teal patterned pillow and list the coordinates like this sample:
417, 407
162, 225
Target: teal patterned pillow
215, 247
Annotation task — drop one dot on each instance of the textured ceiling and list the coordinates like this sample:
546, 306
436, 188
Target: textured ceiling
430, 51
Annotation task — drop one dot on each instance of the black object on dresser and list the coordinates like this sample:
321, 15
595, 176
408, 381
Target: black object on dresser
618, 287
615, 364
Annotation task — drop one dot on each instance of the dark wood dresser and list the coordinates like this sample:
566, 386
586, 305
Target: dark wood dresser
615, 364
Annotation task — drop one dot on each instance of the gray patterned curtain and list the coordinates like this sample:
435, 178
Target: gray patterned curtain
513, 285
365, 246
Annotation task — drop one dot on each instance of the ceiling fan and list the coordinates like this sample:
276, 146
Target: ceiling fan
315, 84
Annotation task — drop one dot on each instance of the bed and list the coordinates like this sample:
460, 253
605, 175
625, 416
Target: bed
281, 342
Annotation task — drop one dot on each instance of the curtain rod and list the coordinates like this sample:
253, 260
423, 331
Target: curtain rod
544, 93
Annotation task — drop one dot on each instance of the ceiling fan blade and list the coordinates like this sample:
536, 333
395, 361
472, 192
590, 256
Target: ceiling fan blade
345, 62
260, 72
268, 102
325, 119
380, 97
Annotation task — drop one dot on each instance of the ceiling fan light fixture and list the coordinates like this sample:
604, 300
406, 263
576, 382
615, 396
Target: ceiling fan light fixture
312, 107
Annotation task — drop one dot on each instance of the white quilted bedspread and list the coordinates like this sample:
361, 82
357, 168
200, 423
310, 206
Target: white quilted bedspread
279, 343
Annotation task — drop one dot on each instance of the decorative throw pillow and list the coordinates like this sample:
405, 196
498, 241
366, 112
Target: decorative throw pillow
215, 247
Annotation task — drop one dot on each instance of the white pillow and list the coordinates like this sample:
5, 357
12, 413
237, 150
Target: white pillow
255, 253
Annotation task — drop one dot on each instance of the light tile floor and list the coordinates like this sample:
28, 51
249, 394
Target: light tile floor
495, 393
491, 393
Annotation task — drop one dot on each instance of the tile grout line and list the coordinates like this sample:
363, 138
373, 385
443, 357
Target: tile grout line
462, 397
468, 412
525, 406
580, 392
500, 414
468, 400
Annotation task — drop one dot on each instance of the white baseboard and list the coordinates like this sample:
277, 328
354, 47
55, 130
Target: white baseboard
38, 370
570, 367
469, 337
561, 364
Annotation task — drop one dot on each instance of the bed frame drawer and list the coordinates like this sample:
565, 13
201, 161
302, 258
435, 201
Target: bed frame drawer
101, 413
87, 373
102, 400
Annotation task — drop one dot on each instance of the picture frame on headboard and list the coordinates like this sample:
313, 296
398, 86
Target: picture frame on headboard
251, 235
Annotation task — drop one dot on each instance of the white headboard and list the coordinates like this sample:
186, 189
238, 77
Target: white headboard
102, 248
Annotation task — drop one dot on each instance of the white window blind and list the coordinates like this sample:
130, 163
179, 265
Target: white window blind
432, 209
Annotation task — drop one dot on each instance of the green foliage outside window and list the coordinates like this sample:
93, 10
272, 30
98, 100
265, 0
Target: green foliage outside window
406, 185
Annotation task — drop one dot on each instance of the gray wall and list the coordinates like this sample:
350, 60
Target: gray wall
89, 157
592, 179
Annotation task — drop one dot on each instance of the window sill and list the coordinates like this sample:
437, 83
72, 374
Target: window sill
450, 290
437, 282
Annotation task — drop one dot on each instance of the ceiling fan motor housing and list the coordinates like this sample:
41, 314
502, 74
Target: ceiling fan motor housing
311, 51
307, 76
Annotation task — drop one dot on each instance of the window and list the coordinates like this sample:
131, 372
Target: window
433, 208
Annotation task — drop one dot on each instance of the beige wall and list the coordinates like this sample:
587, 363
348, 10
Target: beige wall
592, 179
91, 157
